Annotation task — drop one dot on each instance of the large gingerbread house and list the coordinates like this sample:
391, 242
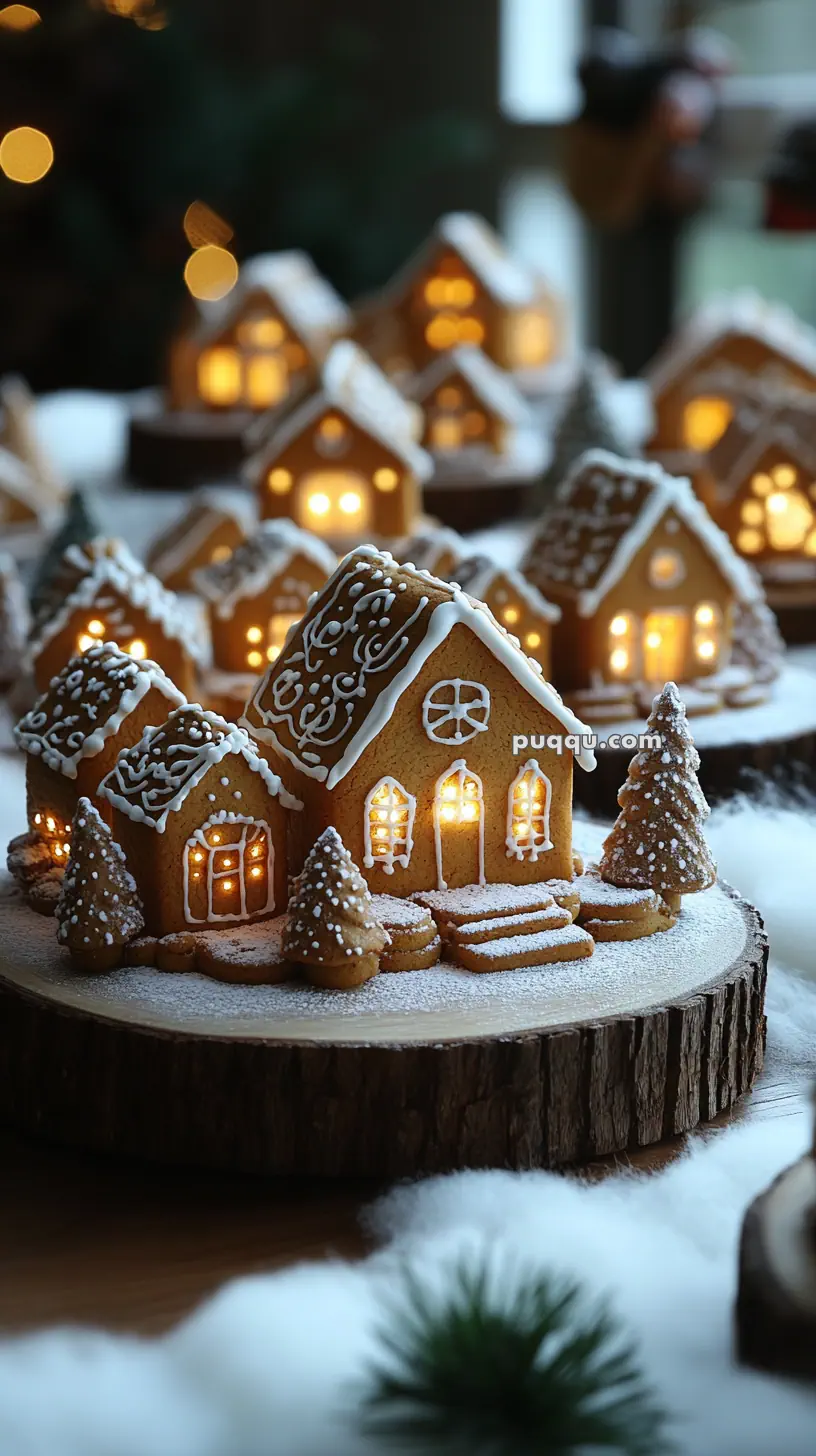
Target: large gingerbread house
262, 342
346, 461
100, 703
646, 583
393, 712
112, 598
214, 523
514, 602
202, 821
462, 287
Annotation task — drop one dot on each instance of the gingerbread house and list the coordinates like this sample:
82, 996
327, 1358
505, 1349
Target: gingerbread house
433, 548
394, 711
114, 599
475, 416
514, 602
346, 462
24, 510
99, 703
266, 337
201, 819
214, 523
462, 287
646, 583
705, 369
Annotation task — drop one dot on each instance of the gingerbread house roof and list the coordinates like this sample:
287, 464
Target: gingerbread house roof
152, 780
424, 548
301, 295
352, 383
784, 419
172, 548
257, 561
86, 704
106, 566
19, 482
492, 385
604, 512
477, 574
507, 279
743, 313
321, 716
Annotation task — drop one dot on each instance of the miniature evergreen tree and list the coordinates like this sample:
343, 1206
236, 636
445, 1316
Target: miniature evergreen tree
98, 911
14, 622
657, 839
331, 928
78, 527
757, 642
585, 424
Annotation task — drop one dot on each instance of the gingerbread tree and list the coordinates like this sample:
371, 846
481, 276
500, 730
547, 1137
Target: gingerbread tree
79, 526
584, 425
14, 622
657, 839
98, 911
331, 928
757, 642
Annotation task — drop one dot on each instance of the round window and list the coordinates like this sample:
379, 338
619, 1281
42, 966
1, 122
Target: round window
666, 568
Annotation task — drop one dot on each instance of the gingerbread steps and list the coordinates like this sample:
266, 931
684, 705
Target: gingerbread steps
513, 952
477, 932
482, 902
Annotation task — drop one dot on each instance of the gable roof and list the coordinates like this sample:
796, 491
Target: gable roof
208, 506
107, 563
477, 574
87, 703
604, 512
504, 277
784, 419
303, 297
743, 312
363, 641
19, 482
351, 382
257, 561
152, 780
492, 385
424, 548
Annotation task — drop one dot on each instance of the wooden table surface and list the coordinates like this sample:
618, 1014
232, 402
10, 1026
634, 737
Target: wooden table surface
135, 1247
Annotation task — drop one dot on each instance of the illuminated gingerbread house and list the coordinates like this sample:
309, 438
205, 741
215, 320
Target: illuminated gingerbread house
214, 523
647, 586
112, 598
202, 822
346, 462
474, 414
514, 602
706, 368
462, 287
265, 339
99, 703
391, 713
433, 548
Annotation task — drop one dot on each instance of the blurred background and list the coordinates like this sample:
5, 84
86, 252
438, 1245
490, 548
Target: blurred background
346, 129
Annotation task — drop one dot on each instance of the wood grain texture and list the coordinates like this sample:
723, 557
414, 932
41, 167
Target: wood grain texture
776, 1298
543, 1097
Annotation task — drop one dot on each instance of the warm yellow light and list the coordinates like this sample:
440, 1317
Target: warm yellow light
385, 478
211, 273
58, 850
202, 226
382, 833
474, 423
619, 660
706, 649
471, 330
752, 513
254, 634
653, 639
448, 791
272, 654
619, 626
533, 639
19, 17
460, 292
446, 813
256, 873
267, 380
470, 787
436, 292
227, 864
219, 376
137, 648
783, 476
279, 481
531, 338
226, 884
777, 503
220, 553
261, 333
319, 504
66, 849
84, 642
350, 503
198, 856
26, 154
810, 544
761, 484
255, 659
332, 428
704, 421
50, 824
256, 850
519, 829
442, 332
749, 541
470, 812
510, 615
96, 628
383, 815
790, 518
449, 397
38, 818
196, 875
704, 616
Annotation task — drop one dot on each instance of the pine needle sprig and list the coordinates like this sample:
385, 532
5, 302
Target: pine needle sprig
525, 1370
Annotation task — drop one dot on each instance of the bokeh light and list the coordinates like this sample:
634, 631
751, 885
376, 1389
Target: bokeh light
211, 273
203, 226
26, 154
19, 17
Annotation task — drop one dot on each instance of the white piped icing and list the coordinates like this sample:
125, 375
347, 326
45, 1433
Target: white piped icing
208, 509
492, 386
477, 575
258, 561
457, 703
460, 771
399, 808
743, 312
535, 823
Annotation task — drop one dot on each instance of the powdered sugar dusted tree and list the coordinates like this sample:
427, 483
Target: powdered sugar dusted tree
585, 424
14, 621
657, 840
331, 927
757, 642
98, 911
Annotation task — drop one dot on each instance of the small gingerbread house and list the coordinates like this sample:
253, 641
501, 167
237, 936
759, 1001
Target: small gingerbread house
432, 548
759, 484
201, 819
462, 287
262, 341
346, 461
475, 415
214, 523
24, 510
646, 583
100, 703
703, 371
514, 602
396, 711
115, 599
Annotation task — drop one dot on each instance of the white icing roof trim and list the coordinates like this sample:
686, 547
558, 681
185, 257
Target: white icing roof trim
441, 620
764, 427
208, 506
430, 542
744, 312
492, 385
505, 277
281, 541
235, 741
483, 578
294, 287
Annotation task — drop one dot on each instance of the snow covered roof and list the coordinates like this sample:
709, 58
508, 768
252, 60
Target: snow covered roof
492, 385
424, 549
363, 641
351, 382
303, 297
477, 575
151, 780
745, 313
505, 278
786, 420
257, 561
106, 565
208, 506
87, 703
604, 512
19, 482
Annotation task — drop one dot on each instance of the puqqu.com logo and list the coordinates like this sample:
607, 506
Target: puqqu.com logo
577, 742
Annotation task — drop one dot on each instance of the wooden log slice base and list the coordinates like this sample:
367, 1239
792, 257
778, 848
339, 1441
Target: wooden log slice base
179, 449
419, 1073
776, 1297
471, 503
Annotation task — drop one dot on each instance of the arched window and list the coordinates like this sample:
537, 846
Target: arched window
458, 813
389, 825
623, 647
528, 813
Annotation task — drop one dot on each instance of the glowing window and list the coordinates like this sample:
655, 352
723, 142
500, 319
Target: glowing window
705, 420
750, 541
528, 813
219, 377
529, 339
789, 517
665, 635
261, 333
761, 484
267, 380
279, 481
443, 331
751, 513
446, 433
389, 824
623, 647
666, 568
220, 553
332, 436
707, 635
458, 803
385, 478
334, 500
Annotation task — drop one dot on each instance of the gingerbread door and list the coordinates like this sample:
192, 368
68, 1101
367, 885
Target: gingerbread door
228, 870
459, 827
665, 645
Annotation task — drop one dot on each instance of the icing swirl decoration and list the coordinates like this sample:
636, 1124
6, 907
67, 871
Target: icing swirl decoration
454, 711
